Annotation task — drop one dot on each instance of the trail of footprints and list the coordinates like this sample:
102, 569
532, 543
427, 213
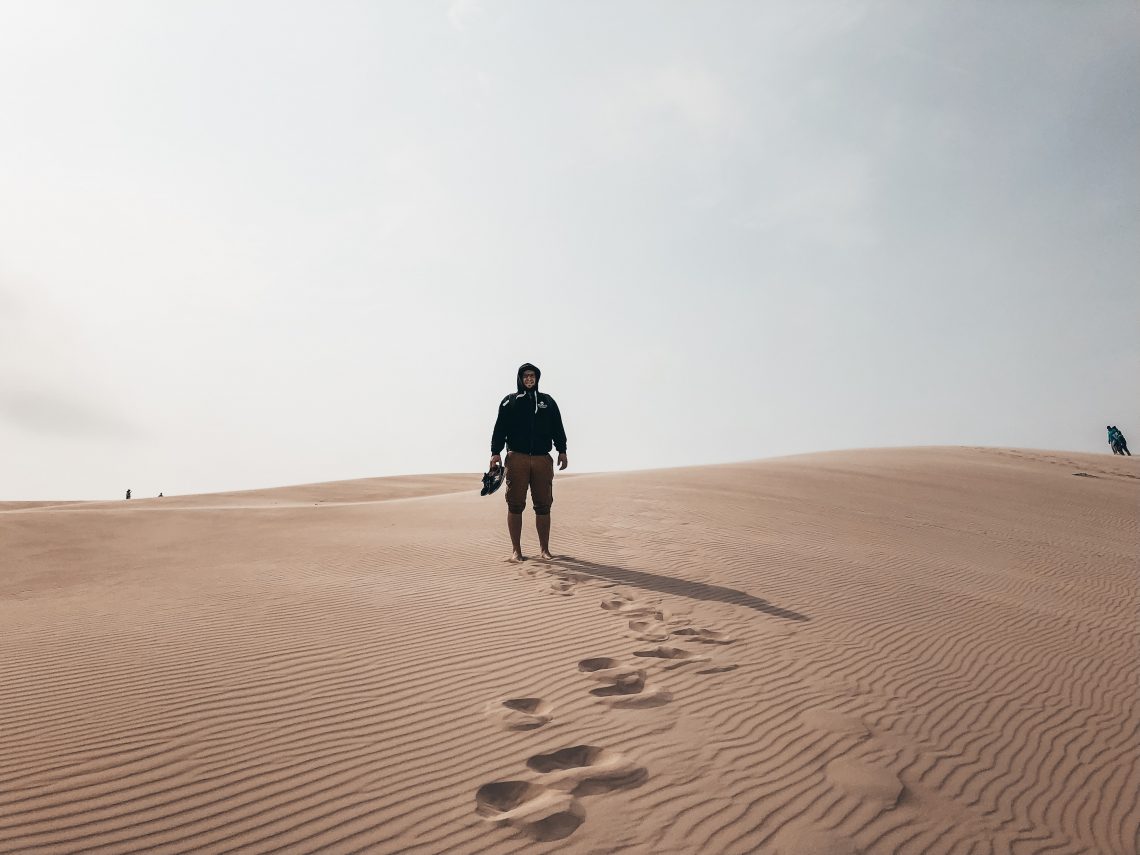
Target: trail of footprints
545, 804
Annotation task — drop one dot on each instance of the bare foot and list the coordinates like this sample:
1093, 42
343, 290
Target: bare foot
545, 555
516, 557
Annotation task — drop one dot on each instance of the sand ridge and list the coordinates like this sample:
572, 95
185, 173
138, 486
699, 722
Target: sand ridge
882, 651
358, 491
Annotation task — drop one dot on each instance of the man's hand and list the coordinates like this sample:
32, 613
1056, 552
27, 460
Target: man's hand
495, 461
562, 461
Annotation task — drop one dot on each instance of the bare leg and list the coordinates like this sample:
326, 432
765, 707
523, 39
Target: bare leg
514, 527
542, 523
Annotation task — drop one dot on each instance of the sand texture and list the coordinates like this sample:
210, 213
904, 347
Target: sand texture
918, 651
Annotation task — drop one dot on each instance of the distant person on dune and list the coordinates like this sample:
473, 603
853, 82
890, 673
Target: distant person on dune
1117, 441
128, 494
529, 423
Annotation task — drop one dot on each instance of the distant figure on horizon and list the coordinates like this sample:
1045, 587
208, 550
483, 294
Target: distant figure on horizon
529, 422
1117, 441
160, 495
128, 494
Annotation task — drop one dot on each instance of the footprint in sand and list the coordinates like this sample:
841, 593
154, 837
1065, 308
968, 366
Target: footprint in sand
663, 651
565, 581
608, 670
649, 630
539, 812
675, 657
626, 684
564, 587
873, 784
704, 636
678, 657
587, 769
626, 605
633, 608
628, 609
521, 713
633, 695
548, 810
663, 630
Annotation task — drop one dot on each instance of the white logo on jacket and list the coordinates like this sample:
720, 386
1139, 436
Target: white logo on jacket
542, 405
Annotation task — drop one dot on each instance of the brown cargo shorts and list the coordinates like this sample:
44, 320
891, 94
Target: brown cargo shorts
535, 471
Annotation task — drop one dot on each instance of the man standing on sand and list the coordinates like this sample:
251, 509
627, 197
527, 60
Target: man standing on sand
529, 423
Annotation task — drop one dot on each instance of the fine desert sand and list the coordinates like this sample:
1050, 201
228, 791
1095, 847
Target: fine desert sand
921, 651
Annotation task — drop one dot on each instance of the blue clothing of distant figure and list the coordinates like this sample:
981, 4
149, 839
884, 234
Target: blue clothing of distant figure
1117, 441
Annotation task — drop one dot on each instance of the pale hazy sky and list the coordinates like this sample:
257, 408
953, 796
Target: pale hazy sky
245, 244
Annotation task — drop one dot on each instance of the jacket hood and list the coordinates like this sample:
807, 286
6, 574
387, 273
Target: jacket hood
526, 366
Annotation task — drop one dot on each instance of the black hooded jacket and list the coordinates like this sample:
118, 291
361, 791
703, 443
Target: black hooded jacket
528, 421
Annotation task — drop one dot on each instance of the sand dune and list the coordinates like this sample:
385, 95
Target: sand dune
893, 651
332, 492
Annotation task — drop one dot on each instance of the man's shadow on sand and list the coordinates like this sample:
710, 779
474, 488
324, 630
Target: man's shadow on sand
669, 585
